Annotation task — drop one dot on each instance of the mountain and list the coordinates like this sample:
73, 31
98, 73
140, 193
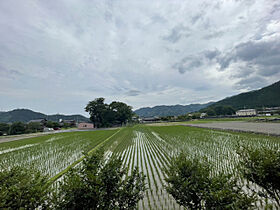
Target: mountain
25, 115
174, 110
266, 97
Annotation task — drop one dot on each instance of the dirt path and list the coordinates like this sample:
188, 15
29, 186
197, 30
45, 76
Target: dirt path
264, 128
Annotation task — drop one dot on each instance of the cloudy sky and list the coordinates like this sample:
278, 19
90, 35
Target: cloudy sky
56, 55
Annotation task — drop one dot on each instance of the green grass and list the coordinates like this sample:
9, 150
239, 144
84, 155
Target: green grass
51, 153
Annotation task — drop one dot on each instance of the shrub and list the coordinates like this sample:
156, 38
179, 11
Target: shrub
22, 188
262, 167
224, 193
100, 185
192, 186
186, 181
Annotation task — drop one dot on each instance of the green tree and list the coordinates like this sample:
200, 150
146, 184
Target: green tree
51, 124
183, 117
100, 185
196, 115
262, 166
22, 188
210, 112
34, 127
67, 125
104, 115
192, 186
218, 110
97, 110
4, 128
228, 110
17, 128
123, 112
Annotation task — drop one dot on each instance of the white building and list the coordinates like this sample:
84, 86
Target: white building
202, 115
246, 112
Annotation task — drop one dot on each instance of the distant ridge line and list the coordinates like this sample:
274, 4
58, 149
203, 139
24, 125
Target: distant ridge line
25, 115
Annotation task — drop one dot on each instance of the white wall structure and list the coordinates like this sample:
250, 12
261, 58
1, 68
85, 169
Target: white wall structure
246, 112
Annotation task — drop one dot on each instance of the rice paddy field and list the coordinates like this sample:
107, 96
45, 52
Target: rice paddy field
50, 153
148, 147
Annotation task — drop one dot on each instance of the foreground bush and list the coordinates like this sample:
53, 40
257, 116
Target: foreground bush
100, 185
224, 192
262, 167
4, 128
192, 186
23, 188
95, 184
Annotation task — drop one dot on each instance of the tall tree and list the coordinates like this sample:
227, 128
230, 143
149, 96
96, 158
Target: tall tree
4, 128
97, 110
122, 111
104, 115
17, 128
34, 127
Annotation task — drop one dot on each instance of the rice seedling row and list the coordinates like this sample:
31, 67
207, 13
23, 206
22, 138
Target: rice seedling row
151, 149
148, 148
52, 153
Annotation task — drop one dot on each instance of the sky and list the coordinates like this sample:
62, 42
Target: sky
56, 56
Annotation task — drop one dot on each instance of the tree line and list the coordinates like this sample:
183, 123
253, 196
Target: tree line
210, 111
218, 110
17, 128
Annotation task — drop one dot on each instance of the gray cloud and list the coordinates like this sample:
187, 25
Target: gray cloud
251, 83
158, 19
177, 33
211, 54
133, 93
214, 35
55, 56
195, 61
187, 64
243, 72
9, 73
195, 18
263, 54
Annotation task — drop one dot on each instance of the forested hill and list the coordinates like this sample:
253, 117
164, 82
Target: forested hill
175, 110
266, 97
25, 115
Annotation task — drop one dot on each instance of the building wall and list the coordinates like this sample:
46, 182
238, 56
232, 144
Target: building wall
246, 112
85, 125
